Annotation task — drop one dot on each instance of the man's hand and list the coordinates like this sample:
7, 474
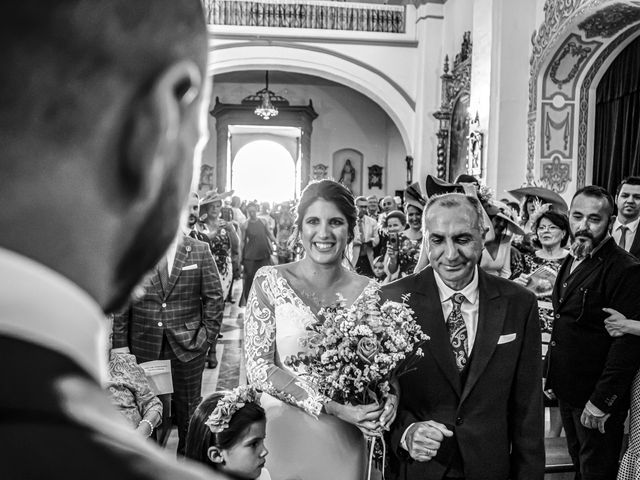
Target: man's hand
424, 439
593, 417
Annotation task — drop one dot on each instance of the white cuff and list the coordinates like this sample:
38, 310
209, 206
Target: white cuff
403, 439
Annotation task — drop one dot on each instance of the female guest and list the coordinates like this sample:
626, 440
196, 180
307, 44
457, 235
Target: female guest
617, 325
223, 238
284, 230
131, 393
412, 236
497, 258
540, 270
309, 436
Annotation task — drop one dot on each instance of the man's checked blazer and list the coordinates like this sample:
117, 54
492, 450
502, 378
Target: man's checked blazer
189, 311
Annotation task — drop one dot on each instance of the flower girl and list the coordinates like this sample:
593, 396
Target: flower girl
227, 431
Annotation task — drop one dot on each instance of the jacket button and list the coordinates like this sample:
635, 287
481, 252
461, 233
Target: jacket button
159, 324
553, 343
164, 305
564, 285
557, 315
459, 421
561, 300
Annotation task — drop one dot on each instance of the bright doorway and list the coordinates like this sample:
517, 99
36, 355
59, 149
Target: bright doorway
264, 170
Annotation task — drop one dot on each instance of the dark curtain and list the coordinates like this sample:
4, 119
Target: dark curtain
617, 131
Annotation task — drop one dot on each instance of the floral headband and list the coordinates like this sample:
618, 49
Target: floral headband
228, 405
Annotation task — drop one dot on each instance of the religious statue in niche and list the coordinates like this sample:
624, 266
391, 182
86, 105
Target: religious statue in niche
475, 145
375, 176
348, 175
320, 171
206, 178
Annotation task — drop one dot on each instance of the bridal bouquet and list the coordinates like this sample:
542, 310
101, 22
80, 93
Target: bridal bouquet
353, 353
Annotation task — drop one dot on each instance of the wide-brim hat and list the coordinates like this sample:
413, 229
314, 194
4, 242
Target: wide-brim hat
413, 197
512, 225
546, 195
435, 186
213, 196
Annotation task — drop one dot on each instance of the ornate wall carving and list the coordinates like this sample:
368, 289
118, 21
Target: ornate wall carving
455, 87
568, 50
583, 120
610, 20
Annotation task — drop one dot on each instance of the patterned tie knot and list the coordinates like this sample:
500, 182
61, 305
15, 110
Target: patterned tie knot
457, 299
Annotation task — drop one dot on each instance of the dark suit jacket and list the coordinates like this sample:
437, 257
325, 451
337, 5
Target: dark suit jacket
57, 423
635, 246
497, 416
190, 311
585, 363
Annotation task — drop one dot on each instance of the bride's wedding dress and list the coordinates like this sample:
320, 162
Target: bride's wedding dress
303, 443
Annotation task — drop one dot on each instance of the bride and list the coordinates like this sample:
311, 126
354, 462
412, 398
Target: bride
308, 435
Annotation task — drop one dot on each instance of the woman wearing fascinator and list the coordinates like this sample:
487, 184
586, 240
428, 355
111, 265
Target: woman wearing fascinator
226, 433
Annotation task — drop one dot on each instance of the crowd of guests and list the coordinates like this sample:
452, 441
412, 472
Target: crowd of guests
93, 183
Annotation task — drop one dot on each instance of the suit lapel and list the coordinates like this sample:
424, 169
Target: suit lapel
182, 252
635, 245
491, 316
433, 324
156, 283
583, 271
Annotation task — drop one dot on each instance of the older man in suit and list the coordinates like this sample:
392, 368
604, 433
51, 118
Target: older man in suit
103, 118
589, 371
472, 407
177, 319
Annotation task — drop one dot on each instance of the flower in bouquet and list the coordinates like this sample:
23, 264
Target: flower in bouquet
352, 353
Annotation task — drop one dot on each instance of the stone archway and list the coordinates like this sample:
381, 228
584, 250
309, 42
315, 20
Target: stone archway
571, 51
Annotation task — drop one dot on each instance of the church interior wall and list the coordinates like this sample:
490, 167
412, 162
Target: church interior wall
347, 119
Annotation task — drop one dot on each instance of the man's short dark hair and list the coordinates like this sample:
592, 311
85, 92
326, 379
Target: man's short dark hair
627, 181
596, 191
65, 62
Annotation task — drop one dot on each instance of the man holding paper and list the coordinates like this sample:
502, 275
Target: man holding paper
472, 407
177, 319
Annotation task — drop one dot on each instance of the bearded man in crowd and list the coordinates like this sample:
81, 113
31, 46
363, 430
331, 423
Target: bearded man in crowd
590, 372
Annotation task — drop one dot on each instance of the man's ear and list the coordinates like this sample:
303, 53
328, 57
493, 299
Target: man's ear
153, 129
215, 455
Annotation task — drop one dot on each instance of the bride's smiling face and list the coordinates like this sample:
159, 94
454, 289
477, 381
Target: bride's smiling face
325, 232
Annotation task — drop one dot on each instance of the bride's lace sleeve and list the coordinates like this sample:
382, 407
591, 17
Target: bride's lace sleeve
260, 351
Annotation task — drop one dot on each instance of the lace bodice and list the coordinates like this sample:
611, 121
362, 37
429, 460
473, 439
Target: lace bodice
276, 320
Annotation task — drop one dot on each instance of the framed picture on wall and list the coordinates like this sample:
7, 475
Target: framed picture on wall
348, 169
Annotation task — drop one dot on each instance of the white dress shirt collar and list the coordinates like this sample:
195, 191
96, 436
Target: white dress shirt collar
40, 306
469, 308
470, 292
632, 226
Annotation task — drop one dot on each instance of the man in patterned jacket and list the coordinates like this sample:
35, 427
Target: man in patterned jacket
177, 319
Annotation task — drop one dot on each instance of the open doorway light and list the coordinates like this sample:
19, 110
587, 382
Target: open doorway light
264, 170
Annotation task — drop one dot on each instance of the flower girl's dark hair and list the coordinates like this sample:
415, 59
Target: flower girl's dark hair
200, 437
333, 192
